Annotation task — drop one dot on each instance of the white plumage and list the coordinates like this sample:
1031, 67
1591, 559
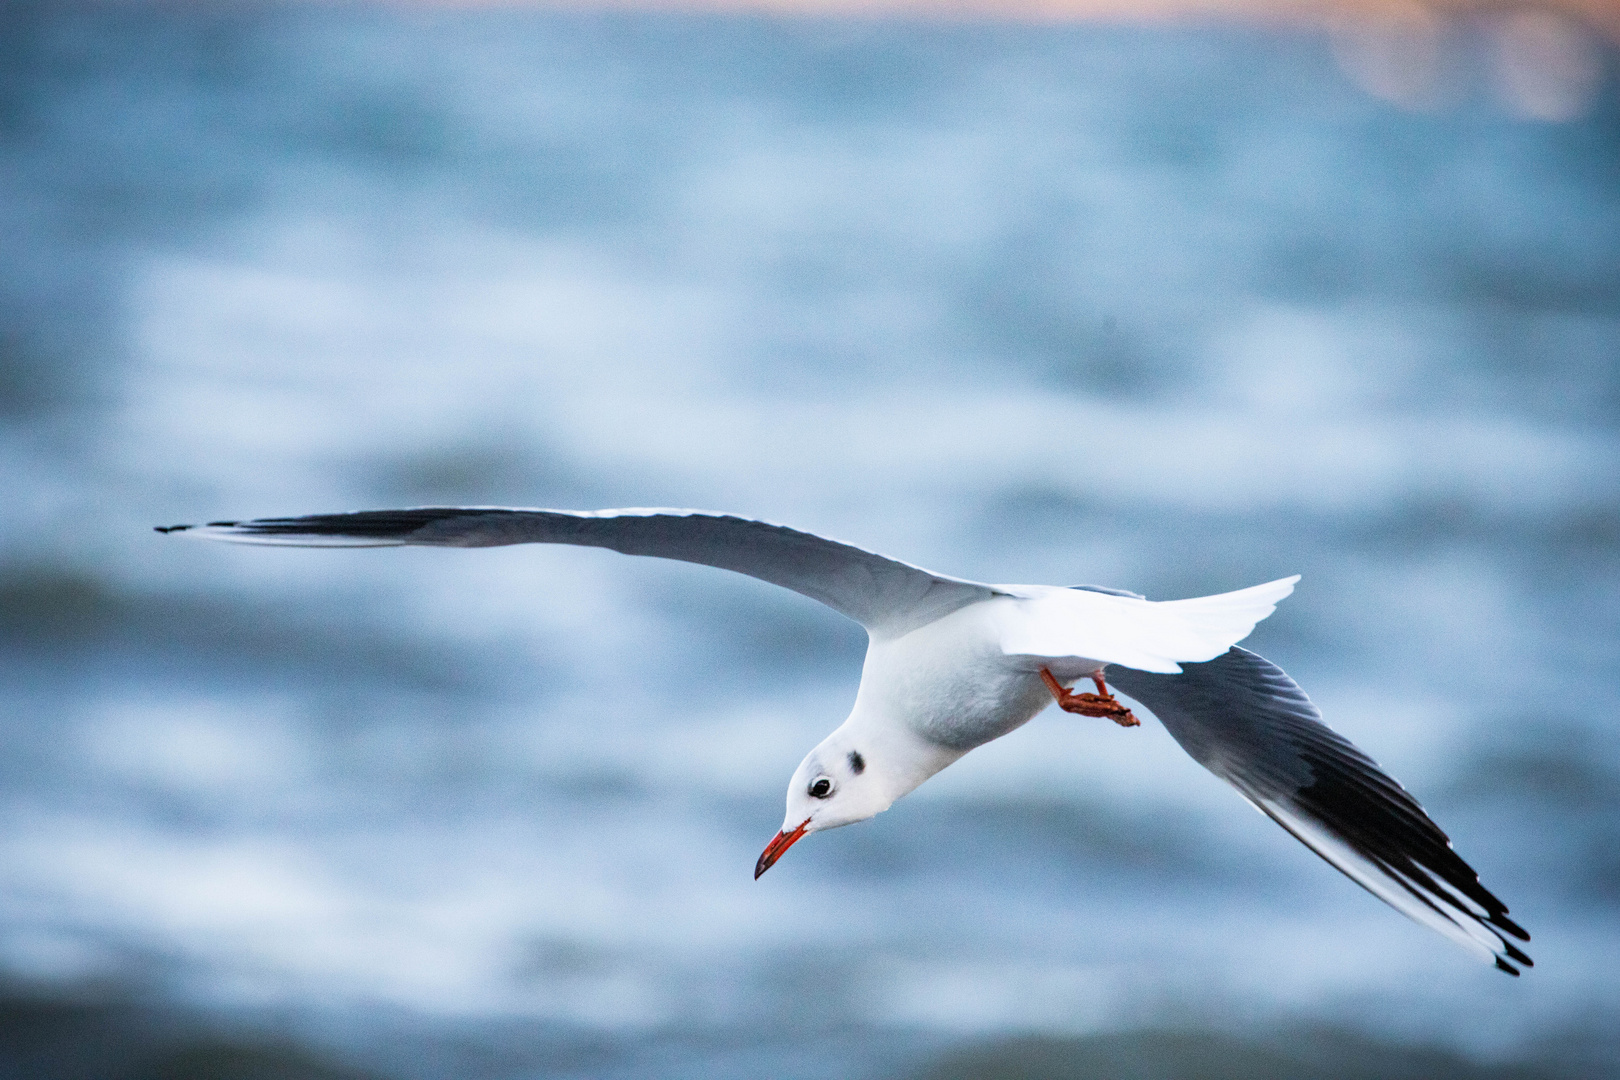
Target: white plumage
953, 663
1068, 627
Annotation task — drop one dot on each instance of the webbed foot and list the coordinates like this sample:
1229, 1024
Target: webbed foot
1101, 704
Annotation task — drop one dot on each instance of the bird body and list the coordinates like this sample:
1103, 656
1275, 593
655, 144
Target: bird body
929, 695
952, 683
952, 664
974, 675
926, 697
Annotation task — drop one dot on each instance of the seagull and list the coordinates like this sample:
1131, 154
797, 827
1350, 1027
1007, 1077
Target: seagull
952, 664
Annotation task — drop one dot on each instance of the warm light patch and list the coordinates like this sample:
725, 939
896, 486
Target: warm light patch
1599, 15
1543, 60
1547, 65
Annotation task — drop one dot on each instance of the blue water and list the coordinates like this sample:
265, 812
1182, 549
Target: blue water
1178, 310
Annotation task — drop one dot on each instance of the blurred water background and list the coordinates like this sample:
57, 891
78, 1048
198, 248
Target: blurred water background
1178, 309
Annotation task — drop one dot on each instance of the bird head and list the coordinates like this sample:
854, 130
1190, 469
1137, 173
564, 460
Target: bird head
834, 785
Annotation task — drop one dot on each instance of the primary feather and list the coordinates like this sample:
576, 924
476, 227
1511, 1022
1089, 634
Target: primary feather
1246, 721
882, 594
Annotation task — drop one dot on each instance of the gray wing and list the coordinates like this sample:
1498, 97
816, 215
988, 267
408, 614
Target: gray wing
1242, 718
881, 594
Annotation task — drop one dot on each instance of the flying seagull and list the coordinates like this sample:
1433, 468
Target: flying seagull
952, 664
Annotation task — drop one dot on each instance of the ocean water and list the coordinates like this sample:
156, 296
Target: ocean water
1174, 309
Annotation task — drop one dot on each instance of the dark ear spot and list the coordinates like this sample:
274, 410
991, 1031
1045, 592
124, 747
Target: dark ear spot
857, 764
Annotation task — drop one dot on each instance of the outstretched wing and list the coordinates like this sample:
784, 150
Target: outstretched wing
1246, 721
884, 595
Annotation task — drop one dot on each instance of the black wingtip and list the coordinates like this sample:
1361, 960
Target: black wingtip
1517, 954
1503, 965
171, 528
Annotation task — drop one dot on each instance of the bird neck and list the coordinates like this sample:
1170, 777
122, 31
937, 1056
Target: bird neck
894, 754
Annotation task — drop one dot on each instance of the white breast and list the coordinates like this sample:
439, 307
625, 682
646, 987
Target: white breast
950, 682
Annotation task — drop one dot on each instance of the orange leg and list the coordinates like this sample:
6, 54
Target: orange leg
1102, 703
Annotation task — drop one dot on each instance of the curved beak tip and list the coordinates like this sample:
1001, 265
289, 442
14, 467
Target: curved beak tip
776, 847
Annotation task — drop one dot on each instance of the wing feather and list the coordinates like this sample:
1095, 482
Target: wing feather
882, 594
1244, 719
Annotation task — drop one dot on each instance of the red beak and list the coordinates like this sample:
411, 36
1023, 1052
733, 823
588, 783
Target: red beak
775, 848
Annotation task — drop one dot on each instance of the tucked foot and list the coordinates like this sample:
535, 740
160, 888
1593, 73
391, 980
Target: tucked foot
1101, 703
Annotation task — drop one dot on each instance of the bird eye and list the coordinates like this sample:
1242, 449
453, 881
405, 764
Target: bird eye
820, 787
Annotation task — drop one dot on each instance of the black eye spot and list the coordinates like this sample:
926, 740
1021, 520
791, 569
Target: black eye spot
820, 788
857, 764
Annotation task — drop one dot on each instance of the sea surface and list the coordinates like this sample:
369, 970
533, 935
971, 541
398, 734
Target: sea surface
1176, 309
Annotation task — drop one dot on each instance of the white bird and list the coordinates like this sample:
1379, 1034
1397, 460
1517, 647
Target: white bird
952, 664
